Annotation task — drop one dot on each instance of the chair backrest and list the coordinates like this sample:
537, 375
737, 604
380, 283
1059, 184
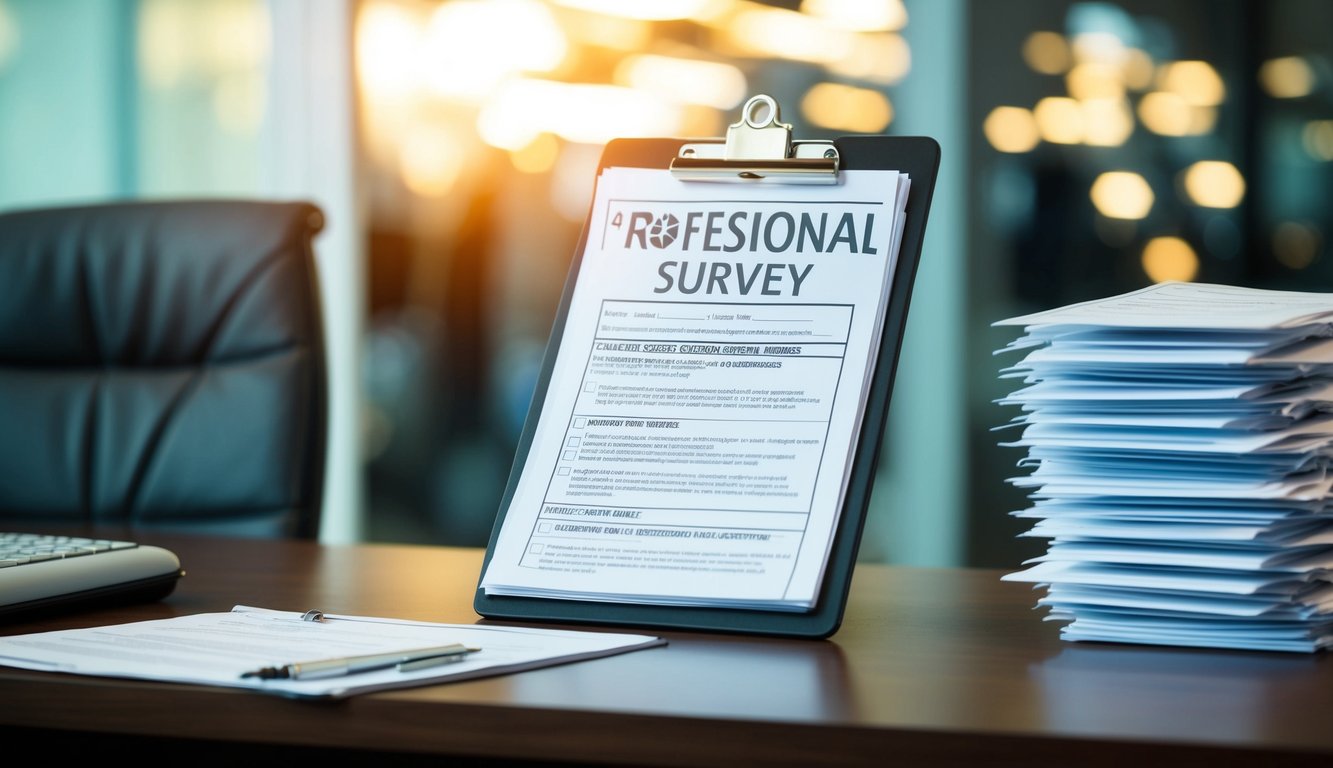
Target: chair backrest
162, 366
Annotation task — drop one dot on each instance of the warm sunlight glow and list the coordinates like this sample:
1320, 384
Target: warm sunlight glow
1289, 77
1214, 184
878, 58
612, 32
1059, 120
1169, 258
582, 113
1011, 129
463, 57
572, 181
859, 15
387, 37
685, 81
1194, 81
789, 35
844, 108
1046, 52
538, 156
430, 161
1122, 195
649, 10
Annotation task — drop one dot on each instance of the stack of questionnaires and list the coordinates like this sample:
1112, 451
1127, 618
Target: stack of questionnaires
1179, 441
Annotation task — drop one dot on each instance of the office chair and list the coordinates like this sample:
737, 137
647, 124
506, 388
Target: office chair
162, 367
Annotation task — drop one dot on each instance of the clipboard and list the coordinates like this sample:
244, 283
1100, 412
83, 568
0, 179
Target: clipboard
758, 149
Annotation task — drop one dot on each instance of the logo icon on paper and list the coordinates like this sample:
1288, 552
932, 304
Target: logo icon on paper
664, 230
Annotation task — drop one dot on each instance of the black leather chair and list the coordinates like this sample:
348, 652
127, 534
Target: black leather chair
162, 366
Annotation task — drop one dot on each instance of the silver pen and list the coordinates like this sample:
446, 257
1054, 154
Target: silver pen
351, 665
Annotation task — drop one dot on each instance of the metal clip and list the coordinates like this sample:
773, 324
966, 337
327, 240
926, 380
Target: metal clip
758, 148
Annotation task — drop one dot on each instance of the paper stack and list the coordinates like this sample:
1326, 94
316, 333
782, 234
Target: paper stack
1179, 441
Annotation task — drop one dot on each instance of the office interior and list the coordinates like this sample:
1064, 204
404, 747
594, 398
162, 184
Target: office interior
1089, 148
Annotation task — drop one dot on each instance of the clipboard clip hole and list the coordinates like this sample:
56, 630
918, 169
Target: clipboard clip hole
761, 111
312, 615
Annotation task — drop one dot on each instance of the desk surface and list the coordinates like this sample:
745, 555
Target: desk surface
930, 667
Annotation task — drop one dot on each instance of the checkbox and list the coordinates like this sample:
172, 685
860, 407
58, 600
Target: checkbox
570, 455
563, 471
590, 387
544, 528
536, 549
573, 442
580, 423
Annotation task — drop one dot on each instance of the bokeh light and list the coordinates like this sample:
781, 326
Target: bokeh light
1166, 113
1095, 80
1046, 52
1317, 139
1122, 195
537, 156
859, 15
1296, 244
430, 160
846, 108
1288, 77
1106, 122
1194, 81
650, 10
1214, 184
1059, 120
878, 58
1011, 129
462, 57
686, 81
1169, 258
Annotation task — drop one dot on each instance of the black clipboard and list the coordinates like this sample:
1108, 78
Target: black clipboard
758, 149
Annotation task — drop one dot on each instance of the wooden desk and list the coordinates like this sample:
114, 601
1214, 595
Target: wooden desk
930, 668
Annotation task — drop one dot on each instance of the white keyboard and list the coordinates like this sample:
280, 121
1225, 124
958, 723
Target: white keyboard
43, 572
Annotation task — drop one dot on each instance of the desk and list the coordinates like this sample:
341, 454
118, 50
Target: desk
932, 667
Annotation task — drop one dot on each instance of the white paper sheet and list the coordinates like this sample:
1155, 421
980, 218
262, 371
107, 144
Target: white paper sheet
1191, 306
218, 648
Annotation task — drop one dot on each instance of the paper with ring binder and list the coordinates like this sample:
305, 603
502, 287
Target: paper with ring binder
664, 263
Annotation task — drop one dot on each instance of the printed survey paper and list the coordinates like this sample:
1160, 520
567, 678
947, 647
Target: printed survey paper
707, 394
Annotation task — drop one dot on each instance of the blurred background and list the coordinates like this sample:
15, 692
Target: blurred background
1089, 148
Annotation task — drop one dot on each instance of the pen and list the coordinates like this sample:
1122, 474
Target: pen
433, 661
351, 665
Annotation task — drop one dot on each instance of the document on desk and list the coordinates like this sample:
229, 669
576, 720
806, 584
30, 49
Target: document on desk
707, 394
1180, 462
1189, 307
221, 648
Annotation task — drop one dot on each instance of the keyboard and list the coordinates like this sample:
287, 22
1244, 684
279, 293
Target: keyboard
44, 573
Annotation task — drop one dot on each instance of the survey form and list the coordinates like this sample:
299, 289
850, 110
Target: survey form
707, 395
